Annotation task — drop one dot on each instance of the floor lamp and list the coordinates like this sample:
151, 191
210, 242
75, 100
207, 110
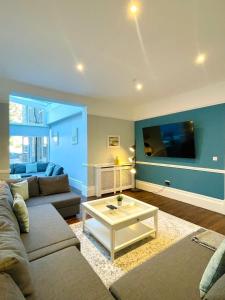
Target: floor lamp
133, 169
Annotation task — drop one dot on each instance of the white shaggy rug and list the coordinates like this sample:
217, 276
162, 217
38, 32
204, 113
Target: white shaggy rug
171, 230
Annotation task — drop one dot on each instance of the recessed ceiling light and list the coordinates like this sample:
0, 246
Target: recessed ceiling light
134, 8
200, 59
139, 86
80, 67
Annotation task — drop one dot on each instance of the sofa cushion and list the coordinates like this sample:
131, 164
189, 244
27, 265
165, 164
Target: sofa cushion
31, 168
58, 200
41, 167
12, 168
19, 168
49, 169
172, 274
33, 186
217, 291
54, 185
21, 212
21, 188
9, 290
6, 203
66, 275
37, 174
47, 228
58, 170
13, 258
214, 270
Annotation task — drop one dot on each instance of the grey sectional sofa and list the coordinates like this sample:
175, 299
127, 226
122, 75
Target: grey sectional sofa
20, 169
59, 271
67, 203
48, 255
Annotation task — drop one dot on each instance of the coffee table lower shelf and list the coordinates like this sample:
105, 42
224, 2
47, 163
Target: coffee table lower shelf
123, 237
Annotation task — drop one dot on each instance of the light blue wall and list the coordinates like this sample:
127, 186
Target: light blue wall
28, 130
209, 126
57, 112
71, 157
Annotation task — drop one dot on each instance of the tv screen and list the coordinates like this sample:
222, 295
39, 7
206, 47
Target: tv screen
171, 140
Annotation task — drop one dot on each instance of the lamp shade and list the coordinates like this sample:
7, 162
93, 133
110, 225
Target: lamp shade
132, 148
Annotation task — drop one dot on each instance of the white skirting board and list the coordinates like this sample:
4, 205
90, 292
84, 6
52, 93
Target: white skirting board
202, 201
86, 191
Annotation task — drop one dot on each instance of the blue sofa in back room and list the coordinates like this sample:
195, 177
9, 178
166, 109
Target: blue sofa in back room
39, 169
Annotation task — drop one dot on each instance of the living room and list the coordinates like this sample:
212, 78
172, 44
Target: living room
112, 150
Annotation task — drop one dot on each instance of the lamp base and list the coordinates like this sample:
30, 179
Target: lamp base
135, 190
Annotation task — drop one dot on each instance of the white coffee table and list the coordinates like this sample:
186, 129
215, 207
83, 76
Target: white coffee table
119, 228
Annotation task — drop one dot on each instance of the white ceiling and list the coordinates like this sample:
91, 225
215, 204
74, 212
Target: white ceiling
41, 41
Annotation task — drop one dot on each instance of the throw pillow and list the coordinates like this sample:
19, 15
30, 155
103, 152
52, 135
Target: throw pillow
9, 290
41, 167
13, 258
58, 170
21, 212
54, 185
214, 270
33, 186
31, 168
20, 188
49, 169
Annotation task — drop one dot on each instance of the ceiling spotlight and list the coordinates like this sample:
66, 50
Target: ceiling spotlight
200, 59
134, 8
139, 86
80, 67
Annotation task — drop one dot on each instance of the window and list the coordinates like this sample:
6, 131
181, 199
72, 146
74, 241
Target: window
25, 149
26, 114
17, 113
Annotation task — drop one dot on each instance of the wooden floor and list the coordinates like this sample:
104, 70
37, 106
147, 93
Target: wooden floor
193, 214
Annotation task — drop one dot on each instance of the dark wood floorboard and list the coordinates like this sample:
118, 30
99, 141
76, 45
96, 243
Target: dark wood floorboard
193, 214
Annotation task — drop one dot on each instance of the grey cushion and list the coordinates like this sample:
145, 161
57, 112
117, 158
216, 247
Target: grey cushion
54, 185
6, 203
49, 169
47, 228
8, 289
58, 170
38, 174
41, 167
66, 275
33, 186
36, 254
58, 200
19, 168
173, 274
13, 258
217, 291
214, 270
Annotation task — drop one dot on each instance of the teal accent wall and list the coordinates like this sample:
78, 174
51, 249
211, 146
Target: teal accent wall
209, 124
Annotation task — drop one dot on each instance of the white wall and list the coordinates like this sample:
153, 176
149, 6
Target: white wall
101, 107
98, 130
206, 96
4, 140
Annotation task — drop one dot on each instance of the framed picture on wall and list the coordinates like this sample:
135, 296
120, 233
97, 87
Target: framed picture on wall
113, 141
75, 136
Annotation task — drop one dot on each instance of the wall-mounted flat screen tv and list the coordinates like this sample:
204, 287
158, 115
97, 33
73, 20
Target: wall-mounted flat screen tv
170, 140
